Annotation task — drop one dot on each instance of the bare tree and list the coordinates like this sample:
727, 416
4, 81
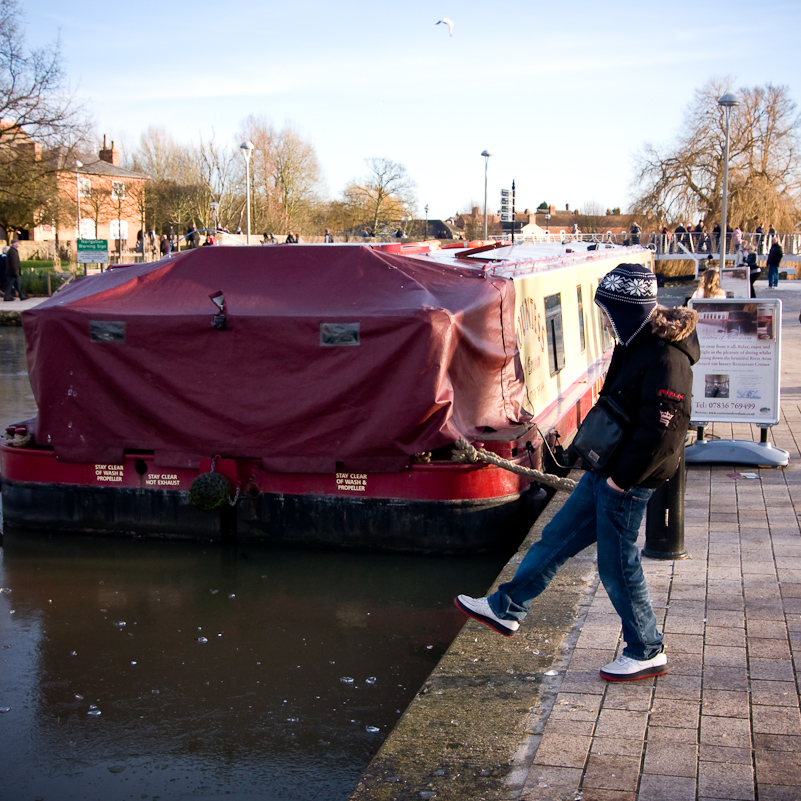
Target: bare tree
37, 118
285, 177
176, 194
384, 195
685, 180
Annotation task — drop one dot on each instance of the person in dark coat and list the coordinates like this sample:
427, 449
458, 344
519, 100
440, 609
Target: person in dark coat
775, 256
754, 270
13, 270
650, 379
3, 269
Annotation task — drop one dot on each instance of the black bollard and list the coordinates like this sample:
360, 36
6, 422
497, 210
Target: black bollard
664, 519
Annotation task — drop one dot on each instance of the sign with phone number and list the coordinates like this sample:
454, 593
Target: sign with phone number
737, 377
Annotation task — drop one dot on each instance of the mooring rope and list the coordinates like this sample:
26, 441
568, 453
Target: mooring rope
466, 453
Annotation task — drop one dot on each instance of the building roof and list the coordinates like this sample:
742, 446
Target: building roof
95, 166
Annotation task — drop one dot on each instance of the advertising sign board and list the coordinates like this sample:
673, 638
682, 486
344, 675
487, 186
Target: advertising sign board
737, 377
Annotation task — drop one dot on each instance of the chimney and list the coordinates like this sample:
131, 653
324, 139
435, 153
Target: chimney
475, 211
110, 155
567, 207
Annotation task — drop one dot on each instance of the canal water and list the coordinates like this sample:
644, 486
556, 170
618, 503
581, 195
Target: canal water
133, 669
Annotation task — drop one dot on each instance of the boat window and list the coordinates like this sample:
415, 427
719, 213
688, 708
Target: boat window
338, 334
106, 331
606, 337
553, 325
580, 317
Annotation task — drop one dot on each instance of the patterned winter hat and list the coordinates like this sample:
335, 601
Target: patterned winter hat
628, 296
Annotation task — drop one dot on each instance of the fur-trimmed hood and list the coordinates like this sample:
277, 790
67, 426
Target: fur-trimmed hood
673, 324
677, 326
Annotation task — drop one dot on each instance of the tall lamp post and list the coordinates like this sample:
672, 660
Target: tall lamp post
426, 232
486, 155
727, 103
214, 206
78, 165
247, 149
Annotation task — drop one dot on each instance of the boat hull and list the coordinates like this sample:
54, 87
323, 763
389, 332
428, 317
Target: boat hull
370, 524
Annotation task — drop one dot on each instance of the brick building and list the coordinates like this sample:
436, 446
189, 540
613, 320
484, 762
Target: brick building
111, 200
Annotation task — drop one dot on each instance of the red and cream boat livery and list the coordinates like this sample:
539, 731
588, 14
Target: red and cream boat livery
308, 394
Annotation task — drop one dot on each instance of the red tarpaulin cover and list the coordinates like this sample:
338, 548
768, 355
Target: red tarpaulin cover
129, 359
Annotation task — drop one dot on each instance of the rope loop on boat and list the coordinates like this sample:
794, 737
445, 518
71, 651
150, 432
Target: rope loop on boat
466, 453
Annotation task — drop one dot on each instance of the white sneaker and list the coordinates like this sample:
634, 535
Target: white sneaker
480, 609
624, 668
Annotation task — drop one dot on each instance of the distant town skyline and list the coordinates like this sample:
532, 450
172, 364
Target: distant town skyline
562, 100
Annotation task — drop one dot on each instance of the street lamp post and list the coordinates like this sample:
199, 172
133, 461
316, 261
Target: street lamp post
78, 165
727, 103
214, 206
486, 155
247, 149
426, 231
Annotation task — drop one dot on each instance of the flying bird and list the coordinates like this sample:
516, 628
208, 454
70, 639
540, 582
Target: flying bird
447, 22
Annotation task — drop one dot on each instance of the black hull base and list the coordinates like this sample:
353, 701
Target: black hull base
370, 524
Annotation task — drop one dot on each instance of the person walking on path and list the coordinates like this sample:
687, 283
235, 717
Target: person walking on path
13, 270
650, 379
775, 256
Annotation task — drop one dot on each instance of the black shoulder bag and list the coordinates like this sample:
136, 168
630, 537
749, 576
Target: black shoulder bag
601, 433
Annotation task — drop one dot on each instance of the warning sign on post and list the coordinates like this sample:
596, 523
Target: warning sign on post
93, 251
737, 378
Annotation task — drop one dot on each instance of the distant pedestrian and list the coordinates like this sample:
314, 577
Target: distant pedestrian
681, 235
13, 271
3, 269
775, 257
328, 237
698, 237
667, 245
710, 285
635, 233
716, 234
760, 239
736, 239
754, 270
164, 246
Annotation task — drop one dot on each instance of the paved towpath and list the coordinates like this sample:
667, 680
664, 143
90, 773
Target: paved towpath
497, 723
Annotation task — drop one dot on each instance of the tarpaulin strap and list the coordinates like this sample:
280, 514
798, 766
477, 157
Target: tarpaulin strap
466, 453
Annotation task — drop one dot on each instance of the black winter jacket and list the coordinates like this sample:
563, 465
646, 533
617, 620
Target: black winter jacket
651, 380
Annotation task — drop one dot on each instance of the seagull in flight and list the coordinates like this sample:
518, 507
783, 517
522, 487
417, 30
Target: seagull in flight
447, 22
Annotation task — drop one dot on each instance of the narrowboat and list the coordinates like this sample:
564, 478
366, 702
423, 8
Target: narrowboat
310, 395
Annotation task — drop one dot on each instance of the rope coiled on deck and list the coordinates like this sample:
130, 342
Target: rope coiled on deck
466, 453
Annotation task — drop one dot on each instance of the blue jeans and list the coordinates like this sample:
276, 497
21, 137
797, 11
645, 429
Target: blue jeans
594, 512
773, 275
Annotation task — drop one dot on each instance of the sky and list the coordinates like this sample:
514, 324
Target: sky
562, 95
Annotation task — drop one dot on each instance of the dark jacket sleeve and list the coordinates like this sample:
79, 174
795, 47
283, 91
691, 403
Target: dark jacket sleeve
659, 405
